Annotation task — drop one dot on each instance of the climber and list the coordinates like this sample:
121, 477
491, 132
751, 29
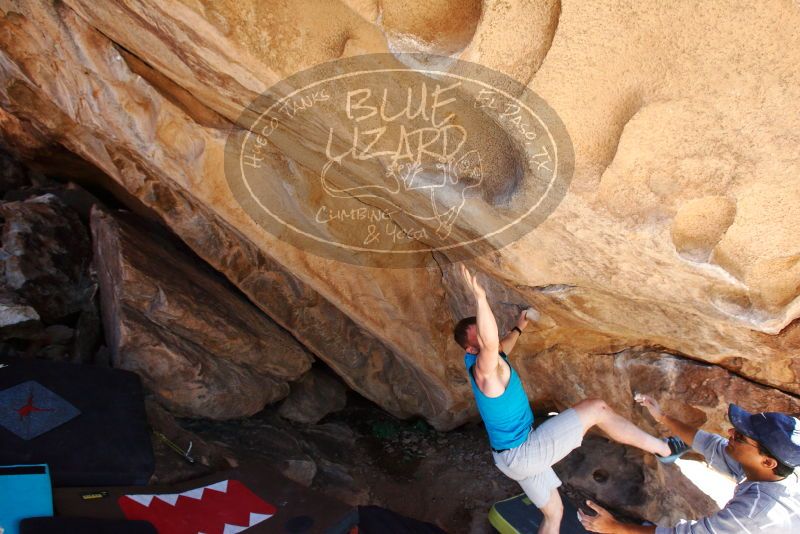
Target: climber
761, 454
519, 452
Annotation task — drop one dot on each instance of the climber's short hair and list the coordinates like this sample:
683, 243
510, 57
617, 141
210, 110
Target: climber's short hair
460, 331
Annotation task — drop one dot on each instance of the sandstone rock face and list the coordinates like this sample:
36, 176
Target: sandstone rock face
200, 347
678, 233
693, 392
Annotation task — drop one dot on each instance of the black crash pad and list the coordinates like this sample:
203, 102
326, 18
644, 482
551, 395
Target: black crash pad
80, 525
296, 509
378, 520
87, 423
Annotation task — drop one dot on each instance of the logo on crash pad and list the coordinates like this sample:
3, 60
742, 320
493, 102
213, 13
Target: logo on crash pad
225, 507
381, 161
30, 409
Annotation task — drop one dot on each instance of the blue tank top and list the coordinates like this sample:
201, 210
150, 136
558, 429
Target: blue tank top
508, 418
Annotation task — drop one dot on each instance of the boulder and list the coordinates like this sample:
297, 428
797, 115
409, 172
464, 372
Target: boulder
88, 333
631, 483
47, 300
171, 466
678, 234
198, 344
267, 438
16, 318
46, 256
670, 267
313, 397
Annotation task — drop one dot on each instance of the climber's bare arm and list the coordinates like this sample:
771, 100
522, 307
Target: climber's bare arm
508, 342
488, 337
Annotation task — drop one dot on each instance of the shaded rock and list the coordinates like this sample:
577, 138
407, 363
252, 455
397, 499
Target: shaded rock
88, 332
16, 319
273, 442
58, 334
77, 335
202, 348
70, 194
8, 350
627, 481
52, 343
102, 357
20, 324
46, 256
170, 466
327, 455
340, 483
313, 397
301, 469
12, 174
332, 438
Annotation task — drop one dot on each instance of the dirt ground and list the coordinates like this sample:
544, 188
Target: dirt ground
363, 455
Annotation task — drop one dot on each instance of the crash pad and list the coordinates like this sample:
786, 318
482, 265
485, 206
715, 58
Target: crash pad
253, 493
518, 515
82, 525
224, 506
24, 492
379, 520
87, 423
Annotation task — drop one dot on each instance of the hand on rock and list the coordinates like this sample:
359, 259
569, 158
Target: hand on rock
472, 282
603, 521
532, 314
652, 406
522, 322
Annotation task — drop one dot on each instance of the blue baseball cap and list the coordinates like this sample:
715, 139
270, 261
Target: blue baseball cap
777, 432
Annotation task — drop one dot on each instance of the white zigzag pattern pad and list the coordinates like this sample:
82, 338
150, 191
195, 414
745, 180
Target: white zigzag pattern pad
254, 520
197, 493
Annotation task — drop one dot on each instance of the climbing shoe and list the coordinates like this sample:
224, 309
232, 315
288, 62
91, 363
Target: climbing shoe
677, 448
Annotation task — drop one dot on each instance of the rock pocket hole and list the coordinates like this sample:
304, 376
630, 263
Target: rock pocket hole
600, 476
